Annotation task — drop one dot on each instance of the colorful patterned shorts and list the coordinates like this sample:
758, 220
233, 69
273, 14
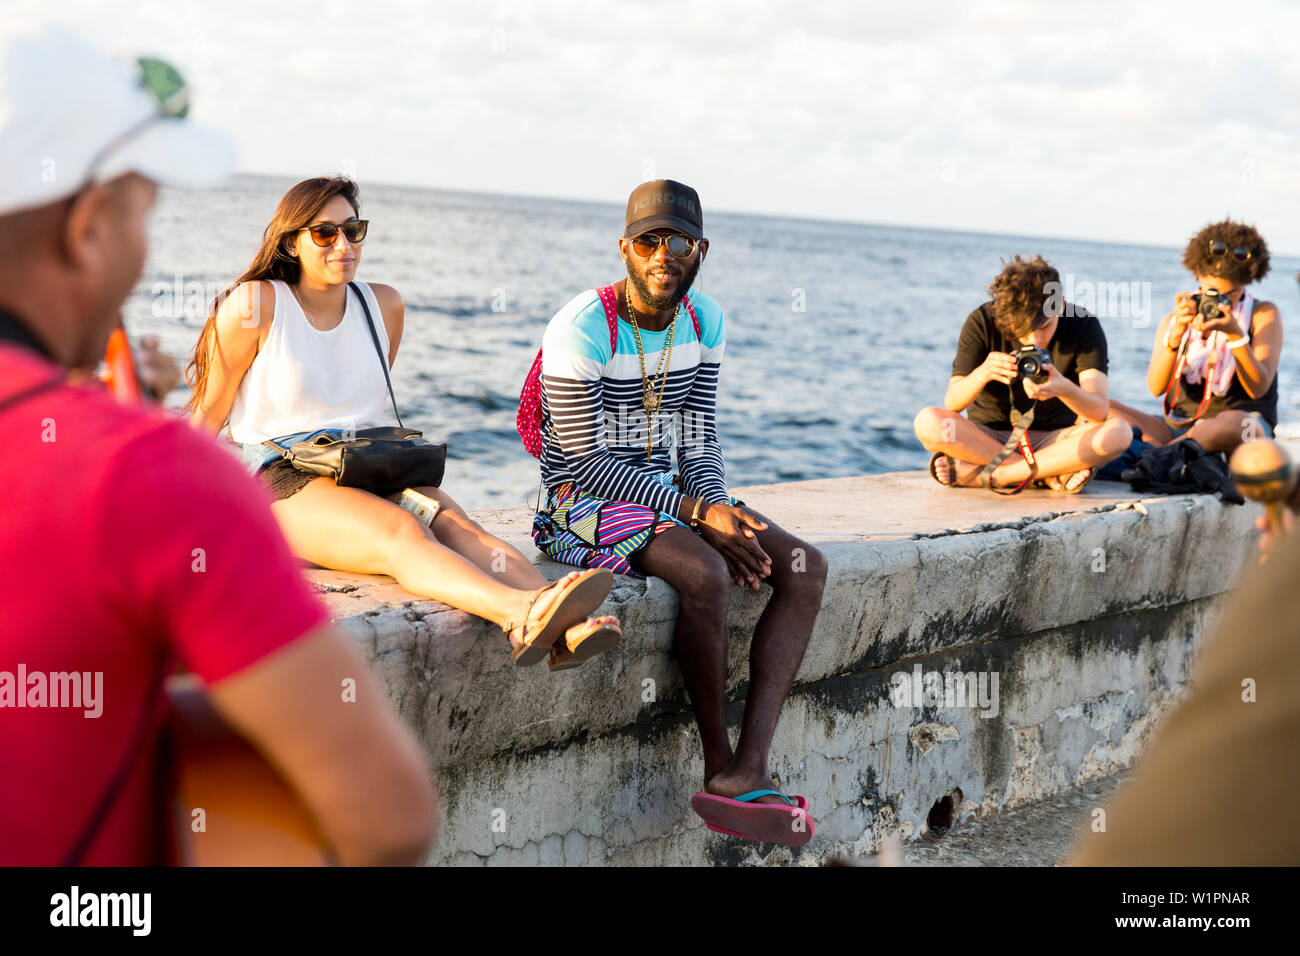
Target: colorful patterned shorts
593, 532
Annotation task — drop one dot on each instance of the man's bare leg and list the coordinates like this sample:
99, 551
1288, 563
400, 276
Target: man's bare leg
702, 581
780, 639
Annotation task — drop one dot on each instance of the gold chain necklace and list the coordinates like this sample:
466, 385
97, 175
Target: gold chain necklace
649, 400
311, 320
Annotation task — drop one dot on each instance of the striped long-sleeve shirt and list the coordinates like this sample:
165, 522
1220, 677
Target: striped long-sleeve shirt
593, 398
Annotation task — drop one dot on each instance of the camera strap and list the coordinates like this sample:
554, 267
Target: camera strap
1207, 394
1019, 438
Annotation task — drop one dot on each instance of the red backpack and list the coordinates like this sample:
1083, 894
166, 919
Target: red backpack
529, 420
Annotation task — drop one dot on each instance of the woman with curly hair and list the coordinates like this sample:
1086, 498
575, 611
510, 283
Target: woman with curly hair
1215, 356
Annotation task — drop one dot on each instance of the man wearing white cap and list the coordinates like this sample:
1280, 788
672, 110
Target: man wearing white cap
130, 544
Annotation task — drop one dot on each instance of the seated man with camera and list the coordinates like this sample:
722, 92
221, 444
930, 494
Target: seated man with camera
1215, 356
1031, 368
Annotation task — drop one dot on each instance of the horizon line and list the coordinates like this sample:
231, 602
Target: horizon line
768, 215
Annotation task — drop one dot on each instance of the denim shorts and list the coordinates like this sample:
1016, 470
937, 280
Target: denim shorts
257, 456
273, 471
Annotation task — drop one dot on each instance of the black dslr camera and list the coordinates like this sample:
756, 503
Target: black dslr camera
1212, 304
1032, 362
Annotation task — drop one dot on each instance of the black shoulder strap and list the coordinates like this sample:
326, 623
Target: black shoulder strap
11, 330
27, 393
139, 735
383, 359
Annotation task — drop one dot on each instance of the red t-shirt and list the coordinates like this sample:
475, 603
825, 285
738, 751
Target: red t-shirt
124, 535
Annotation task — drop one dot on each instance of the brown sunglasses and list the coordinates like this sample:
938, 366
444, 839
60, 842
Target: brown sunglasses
647, 244
325, 233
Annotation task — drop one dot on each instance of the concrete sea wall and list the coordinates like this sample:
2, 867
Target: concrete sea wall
1072, 618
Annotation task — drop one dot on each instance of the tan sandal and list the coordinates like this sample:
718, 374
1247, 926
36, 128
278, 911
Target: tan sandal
1070, 483
583, 642
578, 598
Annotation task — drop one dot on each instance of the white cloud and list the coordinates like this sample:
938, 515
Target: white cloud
1105, 120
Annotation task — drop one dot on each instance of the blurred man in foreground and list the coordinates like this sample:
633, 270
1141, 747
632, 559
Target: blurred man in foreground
129, 543
1214, 785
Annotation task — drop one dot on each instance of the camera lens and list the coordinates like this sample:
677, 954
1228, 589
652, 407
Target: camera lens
1030, 364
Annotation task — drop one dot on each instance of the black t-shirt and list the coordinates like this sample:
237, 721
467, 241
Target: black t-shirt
1077, 345
1237, 399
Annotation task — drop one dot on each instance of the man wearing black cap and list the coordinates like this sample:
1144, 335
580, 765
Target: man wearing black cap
627, 371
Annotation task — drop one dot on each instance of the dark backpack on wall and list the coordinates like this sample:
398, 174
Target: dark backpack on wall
1182, 467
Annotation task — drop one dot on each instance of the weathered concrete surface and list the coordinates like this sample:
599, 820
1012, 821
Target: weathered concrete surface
1087, 609
1036, 834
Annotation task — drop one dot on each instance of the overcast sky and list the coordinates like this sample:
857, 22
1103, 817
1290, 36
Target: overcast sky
1120, 121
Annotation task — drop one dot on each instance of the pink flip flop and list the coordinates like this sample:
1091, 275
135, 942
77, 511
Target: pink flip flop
761, 822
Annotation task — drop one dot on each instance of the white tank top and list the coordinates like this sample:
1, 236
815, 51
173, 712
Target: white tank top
304, 379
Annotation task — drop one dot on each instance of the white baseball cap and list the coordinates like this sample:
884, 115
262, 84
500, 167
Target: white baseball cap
71, 116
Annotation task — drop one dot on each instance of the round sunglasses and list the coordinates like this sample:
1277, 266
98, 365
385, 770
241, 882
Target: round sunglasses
1219, 249
646, 245
325, 233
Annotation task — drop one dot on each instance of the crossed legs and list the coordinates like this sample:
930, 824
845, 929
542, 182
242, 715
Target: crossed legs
1059, 452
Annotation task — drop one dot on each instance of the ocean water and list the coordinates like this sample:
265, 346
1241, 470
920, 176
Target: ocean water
837, 333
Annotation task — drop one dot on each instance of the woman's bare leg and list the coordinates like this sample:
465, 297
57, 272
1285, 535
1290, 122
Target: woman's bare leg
1154, 429
1225, 431
455, 529
352, 530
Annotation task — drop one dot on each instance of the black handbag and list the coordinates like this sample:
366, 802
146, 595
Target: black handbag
382, 460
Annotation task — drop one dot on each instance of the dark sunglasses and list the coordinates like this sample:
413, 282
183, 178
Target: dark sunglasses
1219, 249
325, 233
646, 245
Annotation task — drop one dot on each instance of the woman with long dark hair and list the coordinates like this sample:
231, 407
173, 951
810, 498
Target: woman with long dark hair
287, 352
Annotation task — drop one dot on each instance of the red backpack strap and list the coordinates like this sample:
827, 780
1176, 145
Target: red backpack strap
690, 310
610, 301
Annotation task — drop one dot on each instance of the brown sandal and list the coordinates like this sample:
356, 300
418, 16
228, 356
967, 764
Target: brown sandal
577, 647
579, 597
937, 457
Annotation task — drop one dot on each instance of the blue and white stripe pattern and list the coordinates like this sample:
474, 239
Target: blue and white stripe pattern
593, 400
